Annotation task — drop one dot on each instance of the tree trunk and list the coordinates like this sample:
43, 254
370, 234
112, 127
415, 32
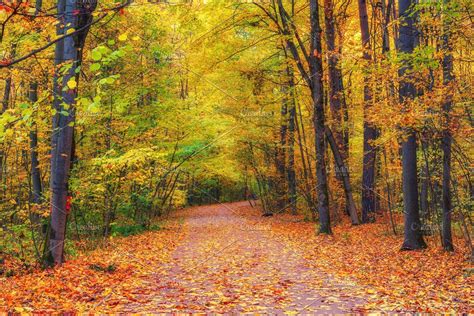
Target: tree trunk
386, 10
35, 171
412, 231
291, 176
370, 132
340, 164
307, 175
281, 150
448, 77
5, 101
336, 89
68, 51
389, 194
317, 93
6, 94
424, 204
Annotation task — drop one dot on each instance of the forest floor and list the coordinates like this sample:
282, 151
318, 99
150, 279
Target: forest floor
228, 258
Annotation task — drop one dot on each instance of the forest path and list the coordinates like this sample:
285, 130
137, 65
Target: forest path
230, 263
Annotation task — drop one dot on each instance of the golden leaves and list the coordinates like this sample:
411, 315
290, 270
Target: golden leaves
426, 281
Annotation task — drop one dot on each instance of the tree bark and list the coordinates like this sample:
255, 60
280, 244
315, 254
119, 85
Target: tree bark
291, 175
370, 132
424, 204
412, 230
313, 79
35, 171
340, 164
68, 51
317, 93
307, 174
281, 150
5, 101
448, 77
337, 99
6, 94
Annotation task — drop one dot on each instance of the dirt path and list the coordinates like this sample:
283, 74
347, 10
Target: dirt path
228, 263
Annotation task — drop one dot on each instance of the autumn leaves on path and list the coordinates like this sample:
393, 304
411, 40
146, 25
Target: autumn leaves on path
228, 263
228, 258
215, 260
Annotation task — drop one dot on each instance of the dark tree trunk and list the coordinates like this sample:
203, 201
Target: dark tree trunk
340, 164
370, 132
38, 6
6, 94
448, 77
5, 101
35, 171
424, 204
389, 194
313, 79
281, 150
291, 176
336, 88
317, 93
337, 103
61, 140
307, 175
412, 231
386, 10
68, 51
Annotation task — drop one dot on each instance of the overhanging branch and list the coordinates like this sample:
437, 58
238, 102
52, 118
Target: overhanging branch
40, 49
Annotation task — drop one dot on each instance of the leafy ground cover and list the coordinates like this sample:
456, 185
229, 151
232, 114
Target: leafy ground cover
227, 258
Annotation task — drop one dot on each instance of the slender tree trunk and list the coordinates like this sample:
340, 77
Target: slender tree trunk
424, 204
387, 15
35, 171
336, 89
412, 231
370, 132
303, 143
337, 101
389, 194
36, 190
6, 94
306, 173
281, 150
340, 164
448, 77
5, 101
386, 10
317, 92
291, 176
